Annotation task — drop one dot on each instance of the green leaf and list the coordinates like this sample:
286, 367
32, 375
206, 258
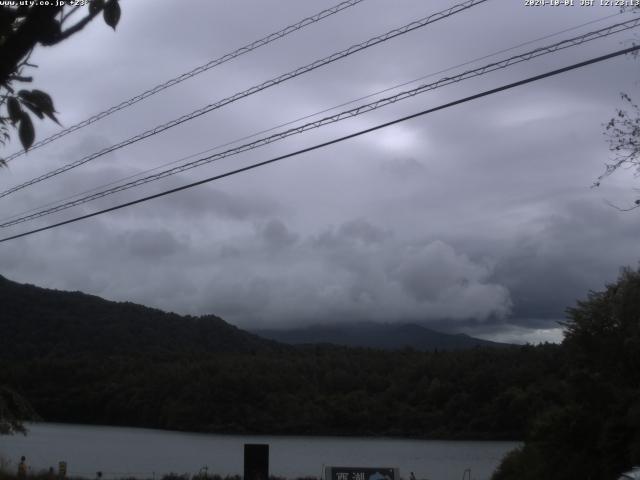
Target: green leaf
13, 108
111, 13
52, 117
44, 100
40, 99
49, 30
39, 102
26, 131
26, 95
33, 108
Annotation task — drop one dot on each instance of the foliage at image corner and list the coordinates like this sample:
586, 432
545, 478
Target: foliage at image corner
622, 132
595, 431
623, 135
22, 28
14, 410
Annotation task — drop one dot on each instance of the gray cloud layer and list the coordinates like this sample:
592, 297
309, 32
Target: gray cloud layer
478, 218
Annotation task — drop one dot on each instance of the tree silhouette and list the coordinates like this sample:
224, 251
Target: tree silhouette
22, 28
594, 432
623, 134
13, 410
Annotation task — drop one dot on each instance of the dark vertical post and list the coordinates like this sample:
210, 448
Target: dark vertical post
256, 461
62, 470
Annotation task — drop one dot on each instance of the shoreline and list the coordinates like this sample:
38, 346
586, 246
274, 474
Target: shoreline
148, 454
346, 436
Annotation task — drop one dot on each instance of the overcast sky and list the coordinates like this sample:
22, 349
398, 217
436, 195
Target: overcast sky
478, 218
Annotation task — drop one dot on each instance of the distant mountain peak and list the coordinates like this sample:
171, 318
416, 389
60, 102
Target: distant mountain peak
369, 334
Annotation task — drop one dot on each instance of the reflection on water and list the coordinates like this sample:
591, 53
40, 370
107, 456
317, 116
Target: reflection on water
148, 453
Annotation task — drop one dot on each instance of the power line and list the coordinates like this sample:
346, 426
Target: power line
331, 142
192, 73
306, 117
340, 116
270, 83
334, 118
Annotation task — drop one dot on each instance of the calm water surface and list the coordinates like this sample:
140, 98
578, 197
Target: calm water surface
144, 453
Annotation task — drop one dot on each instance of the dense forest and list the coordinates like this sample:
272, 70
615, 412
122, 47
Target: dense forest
576, 405
79, 358
479, 393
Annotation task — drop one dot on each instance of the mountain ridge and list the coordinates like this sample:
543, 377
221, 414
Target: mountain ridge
367, 334
42, 322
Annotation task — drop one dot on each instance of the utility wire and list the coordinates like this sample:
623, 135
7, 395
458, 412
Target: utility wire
196, 71
333, 119
306, 117
270, 83
331, 142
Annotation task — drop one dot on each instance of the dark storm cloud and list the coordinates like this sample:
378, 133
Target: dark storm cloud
211, 201
576, 250
404, 167
358, 230
276, 235
427, 272
331, 277
477, 218
363, 231
150, 244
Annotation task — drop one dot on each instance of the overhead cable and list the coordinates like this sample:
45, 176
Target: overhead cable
192, 73
305, 117
270, 83
333, 119
330, 142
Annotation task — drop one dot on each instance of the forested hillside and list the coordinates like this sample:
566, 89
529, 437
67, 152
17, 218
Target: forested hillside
79, 358
38, 322
575, 404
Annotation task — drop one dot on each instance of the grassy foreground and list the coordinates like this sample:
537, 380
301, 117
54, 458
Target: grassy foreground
7, 474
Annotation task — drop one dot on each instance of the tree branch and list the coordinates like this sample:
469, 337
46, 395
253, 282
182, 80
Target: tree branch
69, 13
19, 44
78, 26
20, 78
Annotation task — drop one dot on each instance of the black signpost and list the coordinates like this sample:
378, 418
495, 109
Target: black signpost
361, 473
256, 461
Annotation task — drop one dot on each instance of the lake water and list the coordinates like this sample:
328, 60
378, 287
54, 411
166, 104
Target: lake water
148, 453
